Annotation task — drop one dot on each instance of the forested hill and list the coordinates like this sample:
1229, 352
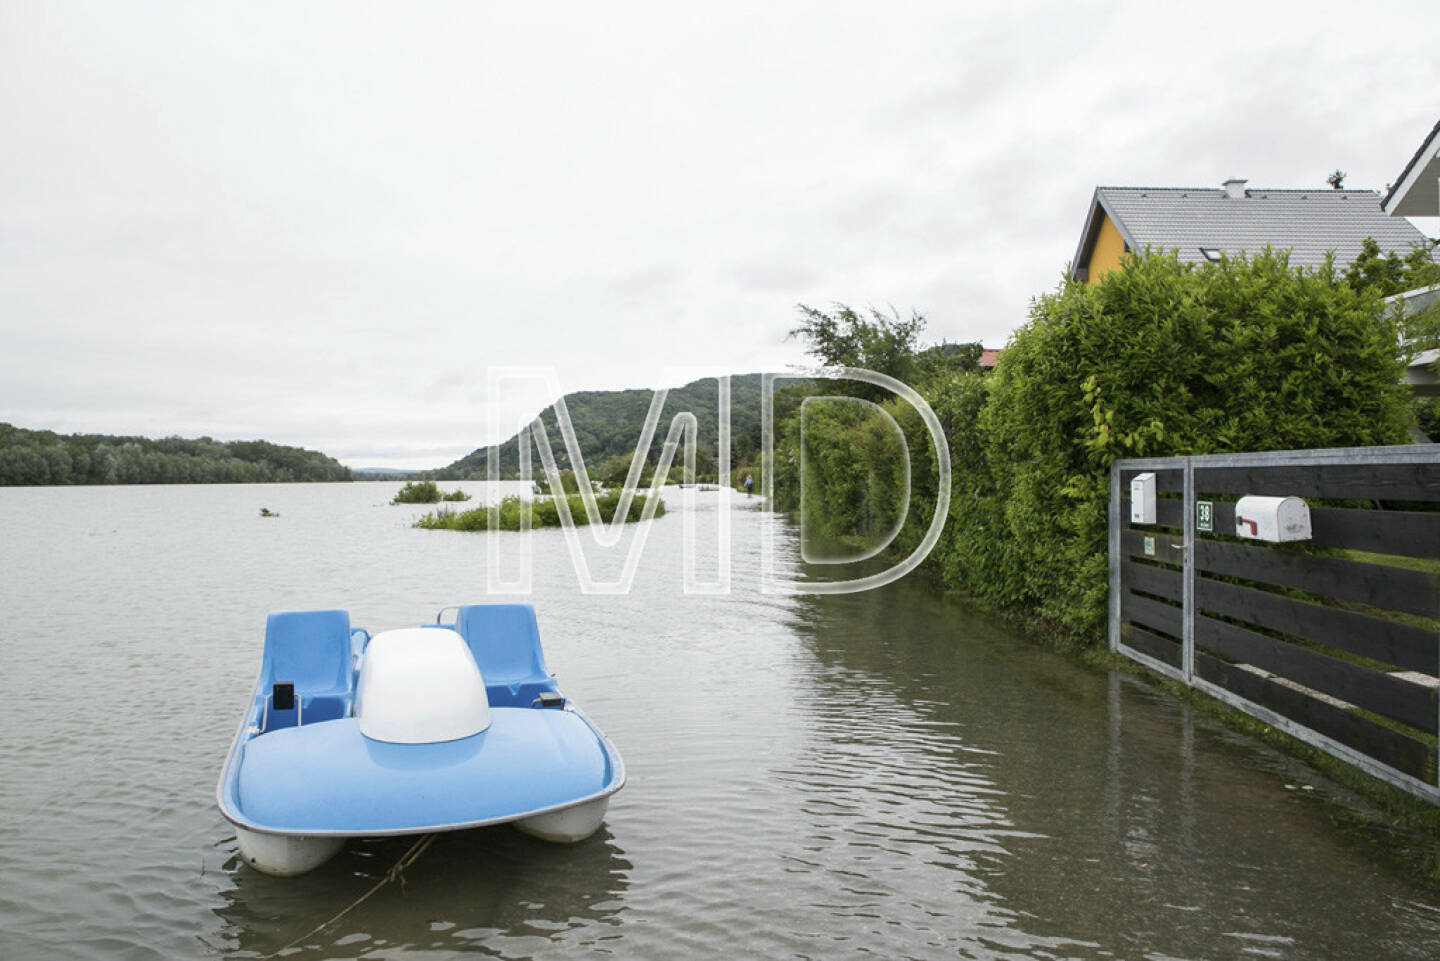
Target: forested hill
31, 457
608, 423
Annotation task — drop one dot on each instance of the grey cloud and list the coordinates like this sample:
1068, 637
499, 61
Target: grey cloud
322, 225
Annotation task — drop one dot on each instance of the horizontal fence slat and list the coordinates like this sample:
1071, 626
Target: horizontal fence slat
1160, 648
1407, 533
1393, 588
1156, 615
1169, 511
1404, 533
1395, 482
1165, 480
1386, 745
1151, 580
1375, 691
1167, 546
1413, 648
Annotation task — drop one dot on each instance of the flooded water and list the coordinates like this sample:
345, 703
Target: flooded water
869, 776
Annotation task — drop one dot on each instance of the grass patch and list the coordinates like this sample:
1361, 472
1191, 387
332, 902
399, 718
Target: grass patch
542, 512
1428, 565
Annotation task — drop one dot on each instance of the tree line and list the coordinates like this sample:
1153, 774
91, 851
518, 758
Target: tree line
40, 457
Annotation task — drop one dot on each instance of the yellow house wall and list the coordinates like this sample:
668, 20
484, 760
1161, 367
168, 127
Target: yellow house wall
1109, 245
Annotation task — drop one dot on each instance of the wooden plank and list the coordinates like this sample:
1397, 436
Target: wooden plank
1172, 479
1406, 533
1169, 512
1392, 588
1394, 482
1151, 579
1375, 691
1390, 747
1403, 645
1156, 615
1167, 546
1161, 648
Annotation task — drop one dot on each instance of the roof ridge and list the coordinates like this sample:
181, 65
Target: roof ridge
1327, 191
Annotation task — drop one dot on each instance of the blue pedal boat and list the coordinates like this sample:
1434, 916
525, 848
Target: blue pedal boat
443, 727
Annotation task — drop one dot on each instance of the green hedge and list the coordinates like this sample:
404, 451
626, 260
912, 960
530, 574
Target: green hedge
1161, 358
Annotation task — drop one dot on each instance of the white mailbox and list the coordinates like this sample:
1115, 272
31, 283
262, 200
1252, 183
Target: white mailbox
1142, 498
1272, 518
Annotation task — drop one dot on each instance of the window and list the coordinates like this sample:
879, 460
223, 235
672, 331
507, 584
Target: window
1211, 254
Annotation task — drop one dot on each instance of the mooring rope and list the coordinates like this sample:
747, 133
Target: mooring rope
396, 872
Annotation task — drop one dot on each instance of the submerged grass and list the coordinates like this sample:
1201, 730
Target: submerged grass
542, 511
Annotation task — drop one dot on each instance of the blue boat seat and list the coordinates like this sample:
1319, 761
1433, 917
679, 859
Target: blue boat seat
505, 641
310, 649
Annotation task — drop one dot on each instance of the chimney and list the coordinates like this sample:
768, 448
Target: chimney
1235, 188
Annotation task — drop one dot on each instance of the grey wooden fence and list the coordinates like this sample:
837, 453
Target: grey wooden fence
1335, 640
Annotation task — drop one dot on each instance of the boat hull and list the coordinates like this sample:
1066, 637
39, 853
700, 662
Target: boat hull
289, 855
285, 855
568, 825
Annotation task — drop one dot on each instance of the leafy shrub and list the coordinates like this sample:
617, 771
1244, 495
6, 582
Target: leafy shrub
418, 492
1161, 358
1166, 358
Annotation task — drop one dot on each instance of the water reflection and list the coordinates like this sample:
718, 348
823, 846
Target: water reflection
492, 888
1073, 812
904, 800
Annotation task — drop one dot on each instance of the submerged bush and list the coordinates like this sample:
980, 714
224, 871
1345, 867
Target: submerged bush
426, 492
418, 492
542, 511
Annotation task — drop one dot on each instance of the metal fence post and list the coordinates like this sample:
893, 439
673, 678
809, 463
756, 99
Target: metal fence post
1113, 626
1187, 616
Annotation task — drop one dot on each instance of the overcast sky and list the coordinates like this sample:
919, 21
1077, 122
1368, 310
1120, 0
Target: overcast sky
318, 223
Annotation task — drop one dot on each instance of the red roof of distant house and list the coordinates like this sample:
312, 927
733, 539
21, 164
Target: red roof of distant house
988, 357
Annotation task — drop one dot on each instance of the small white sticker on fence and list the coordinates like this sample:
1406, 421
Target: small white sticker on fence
1149, 547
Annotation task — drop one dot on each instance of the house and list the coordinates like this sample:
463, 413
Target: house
1416, 192
1205, 223
1420, 374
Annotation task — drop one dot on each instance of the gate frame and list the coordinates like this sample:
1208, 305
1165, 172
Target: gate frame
1400, 454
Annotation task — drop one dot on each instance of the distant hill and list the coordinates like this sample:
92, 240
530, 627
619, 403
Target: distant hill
608, 423
37, 457
385, 473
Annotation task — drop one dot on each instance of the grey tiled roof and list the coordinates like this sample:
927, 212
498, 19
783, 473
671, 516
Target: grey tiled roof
1308, 223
